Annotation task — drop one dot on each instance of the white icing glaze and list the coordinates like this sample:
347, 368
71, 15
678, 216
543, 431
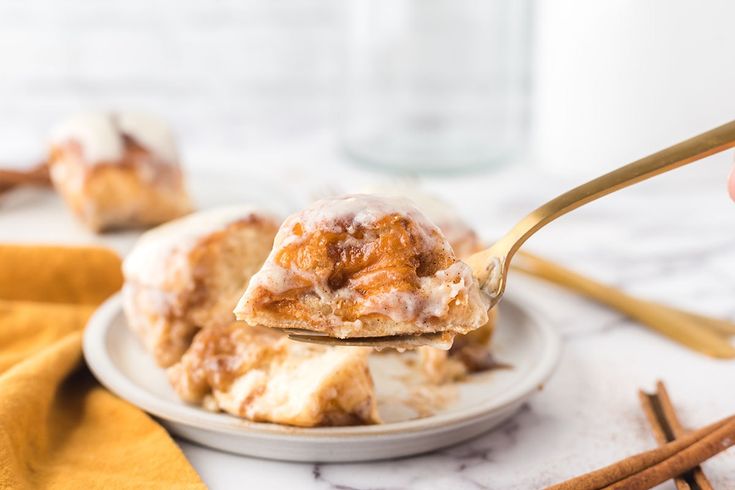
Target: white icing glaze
162, 251
435, 209
101, 135
150, 132
457, 232
357, 209
95, 132
346, 213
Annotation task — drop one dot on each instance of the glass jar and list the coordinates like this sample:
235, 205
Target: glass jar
435, 85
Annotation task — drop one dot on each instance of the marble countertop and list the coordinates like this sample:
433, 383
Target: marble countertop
671, 239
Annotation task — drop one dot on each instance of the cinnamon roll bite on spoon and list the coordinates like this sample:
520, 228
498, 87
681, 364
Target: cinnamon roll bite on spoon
367, 270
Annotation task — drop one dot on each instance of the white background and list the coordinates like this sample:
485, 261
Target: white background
612, 79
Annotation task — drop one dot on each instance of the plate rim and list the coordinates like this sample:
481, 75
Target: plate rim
94, 347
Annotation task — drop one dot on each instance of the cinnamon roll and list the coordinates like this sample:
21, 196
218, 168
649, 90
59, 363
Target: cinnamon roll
118, 170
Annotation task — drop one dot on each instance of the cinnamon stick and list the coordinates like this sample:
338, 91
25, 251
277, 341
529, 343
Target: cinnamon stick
666, 427
649, 468
679, 430
661, 429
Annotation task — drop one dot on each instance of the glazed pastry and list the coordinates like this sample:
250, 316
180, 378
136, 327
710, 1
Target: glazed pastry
257, 374
188, 274
363, 266
118, 170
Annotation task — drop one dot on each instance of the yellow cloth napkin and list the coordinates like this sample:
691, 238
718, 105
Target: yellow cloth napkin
59, 428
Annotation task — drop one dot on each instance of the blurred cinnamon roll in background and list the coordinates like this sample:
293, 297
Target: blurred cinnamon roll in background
118, 170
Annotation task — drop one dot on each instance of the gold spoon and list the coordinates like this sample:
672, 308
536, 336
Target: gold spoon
491, 266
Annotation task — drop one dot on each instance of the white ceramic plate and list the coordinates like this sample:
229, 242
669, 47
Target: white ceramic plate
458, 411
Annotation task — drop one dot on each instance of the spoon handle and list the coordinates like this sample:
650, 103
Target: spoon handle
703, 334
491, 265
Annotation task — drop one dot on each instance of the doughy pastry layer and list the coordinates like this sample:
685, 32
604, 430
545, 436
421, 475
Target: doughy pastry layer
257, 374
187, 274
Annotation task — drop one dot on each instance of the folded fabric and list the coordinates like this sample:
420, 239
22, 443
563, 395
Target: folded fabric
58, 427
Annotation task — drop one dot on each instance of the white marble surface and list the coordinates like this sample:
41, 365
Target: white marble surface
670, 239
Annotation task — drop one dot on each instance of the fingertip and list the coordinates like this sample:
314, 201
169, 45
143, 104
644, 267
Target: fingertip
731, 184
